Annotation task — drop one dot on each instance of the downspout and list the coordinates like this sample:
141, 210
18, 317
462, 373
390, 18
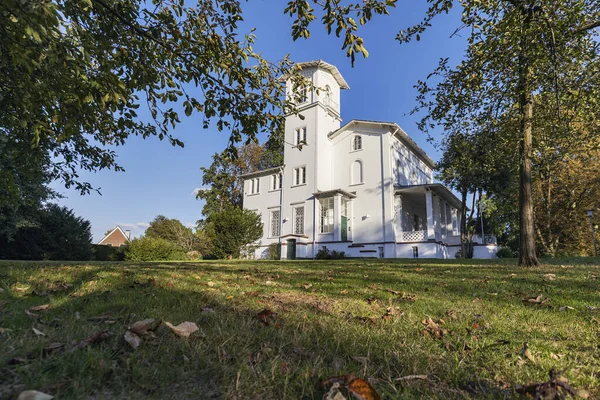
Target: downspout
281, 209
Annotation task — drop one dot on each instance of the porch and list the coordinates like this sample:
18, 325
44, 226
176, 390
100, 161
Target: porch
426, 213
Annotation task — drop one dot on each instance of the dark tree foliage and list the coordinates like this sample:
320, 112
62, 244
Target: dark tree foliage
231, 230
55, 233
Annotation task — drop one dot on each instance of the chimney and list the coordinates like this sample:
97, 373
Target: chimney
128, 234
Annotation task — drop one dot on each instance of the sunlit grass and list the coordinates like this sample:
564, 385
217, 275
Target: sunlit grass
328, 321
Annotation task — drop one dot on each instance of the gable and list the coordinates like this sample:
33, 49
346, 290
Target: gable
115, 237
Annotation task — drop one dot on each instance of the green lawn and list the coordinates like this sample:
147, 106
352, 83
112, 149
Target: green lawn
329, 318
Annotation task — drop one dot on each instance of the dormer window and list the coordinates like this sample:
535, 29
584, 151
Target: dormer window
357, 143
300, 136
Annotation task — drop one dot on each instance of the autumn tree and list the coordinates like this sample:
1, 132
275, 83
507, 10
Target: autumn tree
173, 231
517, 48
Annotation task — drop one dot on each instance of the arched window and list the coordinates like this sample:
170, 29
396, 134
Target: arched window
357, 172
357, 143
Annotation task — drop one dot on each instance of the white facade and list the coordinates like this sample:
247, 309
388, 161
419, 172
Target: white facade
365, 188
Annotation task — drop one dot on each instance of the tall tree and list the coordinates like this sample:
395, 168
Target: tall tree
518, 48
173, 231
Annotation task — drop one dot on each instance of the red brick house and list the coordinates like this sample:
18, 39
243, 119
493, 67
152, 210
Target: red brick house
116, 238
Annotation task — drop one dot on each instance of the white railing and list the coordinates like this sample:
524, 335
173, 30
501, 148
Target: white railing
414, 236
487, 239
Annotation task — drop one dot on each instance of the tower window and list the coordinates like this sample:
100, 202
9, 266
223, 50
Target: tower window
302, 94
254, 185
276, 181
300, 136
300, 176
357, 143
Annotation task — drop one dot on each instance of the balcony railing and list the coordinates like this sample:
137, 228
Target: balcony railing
487, 239
414, 236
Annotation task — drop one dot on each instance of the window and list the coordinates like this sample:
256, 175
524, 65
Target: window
299, 220
300, 176
357, 143
381, 252
326, 215
345, 203
357, 173
327, 95
415, 251
275, 223
300, 136
276, 181
302, 94
254, 185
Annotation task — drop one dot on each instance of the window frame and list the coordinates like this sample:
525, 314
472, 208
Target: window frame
326, 217
276, 181
361, 170
273, 234
300, 136
254, 186
297, 175
295, 215
357, 139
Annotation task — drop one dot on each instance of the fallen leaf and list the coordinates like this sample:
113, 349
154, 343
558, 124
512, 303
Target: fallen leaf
94, 339
537, 300
452, 314
556, 388
334, 393
211, 284
307, 286
392, 312
40, 308
266, 316
526, 353
34, 395
184, 329
549, 277
208, 310
133, 339
228, 297
433, 328
39, 333
591, 308
30, 314
565, 308
141, 327
362, 390
418, 269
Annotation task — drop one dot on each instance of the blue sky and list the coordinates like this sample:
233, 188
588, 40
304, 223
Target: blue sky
161, 179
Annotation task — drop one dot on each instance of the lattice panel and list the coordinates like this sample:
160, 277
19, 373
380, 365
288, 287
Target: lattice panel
414, 236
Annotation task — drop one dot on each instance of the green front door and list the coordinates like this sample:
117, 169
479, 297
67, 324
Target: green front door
291, 249
344, 228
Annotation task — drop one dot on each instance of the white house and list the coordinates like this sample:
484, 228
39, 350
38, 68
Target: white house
365, 187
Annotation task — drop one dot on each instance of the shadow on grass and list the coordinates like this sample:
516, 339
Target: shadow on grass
236, 355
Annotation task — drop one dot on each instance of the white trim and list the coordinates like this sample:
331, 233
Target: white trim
111, 232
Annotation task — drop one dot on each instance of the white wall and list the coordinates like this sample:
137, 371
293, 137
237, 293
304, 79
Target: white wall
408, 168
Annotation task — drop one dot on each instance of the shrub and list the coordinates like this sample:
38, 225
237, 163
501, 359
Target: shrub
325, 254
505, 252
193, 255
273, 252
153, 249
232, 230
108, 253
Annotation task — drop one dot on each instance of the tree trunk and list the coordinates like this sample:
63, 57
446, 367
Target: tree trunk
463, 223
527, 256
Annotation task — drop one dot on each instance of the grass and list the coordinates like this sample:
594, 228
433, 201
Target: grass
328, 321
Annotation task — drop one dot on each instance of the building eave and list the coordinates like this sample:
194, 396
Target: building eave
333, 192
395, 129
437, 188
262, 172
332, 69
111, 232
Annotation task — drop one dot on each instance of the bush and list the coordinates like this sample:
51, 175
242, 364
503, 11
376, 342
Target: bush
273, 252
232, 230
325, 254
505, 252
153, 249
108, 253
193, 255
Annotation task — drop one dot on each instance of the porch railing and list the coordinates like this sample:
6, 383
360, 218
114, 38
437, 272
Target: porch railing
487, 239
414, 236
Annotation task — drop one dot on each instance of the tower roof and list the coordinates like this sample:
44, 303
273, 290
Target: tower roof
332, 69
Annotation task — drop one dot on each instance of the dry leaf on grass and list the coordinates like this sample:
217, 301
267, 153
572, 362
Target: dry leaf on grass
37, 332
537, 300
94, 339
34, 395
526, 353
40, 308
133, 339
434, 328
307, 286
141, 327
565, 308
392, 312
266, 317
359, 388
334, 393
557, 388
184, 329
550, 277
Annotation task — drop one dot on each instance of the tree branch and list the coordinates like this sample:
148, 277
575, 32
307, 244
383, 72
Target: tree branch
587, 27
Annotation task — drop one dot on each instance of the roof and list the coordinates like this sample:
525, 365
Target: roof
333, 192
437, 188
111, 232
396, 129
262, 172
332, 69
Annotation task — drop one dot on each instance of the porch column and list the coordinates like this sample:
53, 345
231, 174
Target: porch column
447, 211
337, 218
397, 218
429, 208
437, 217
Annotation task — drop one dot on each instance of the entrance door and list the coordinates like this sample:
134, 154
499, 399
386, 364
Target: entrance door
291, 249
344, 228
